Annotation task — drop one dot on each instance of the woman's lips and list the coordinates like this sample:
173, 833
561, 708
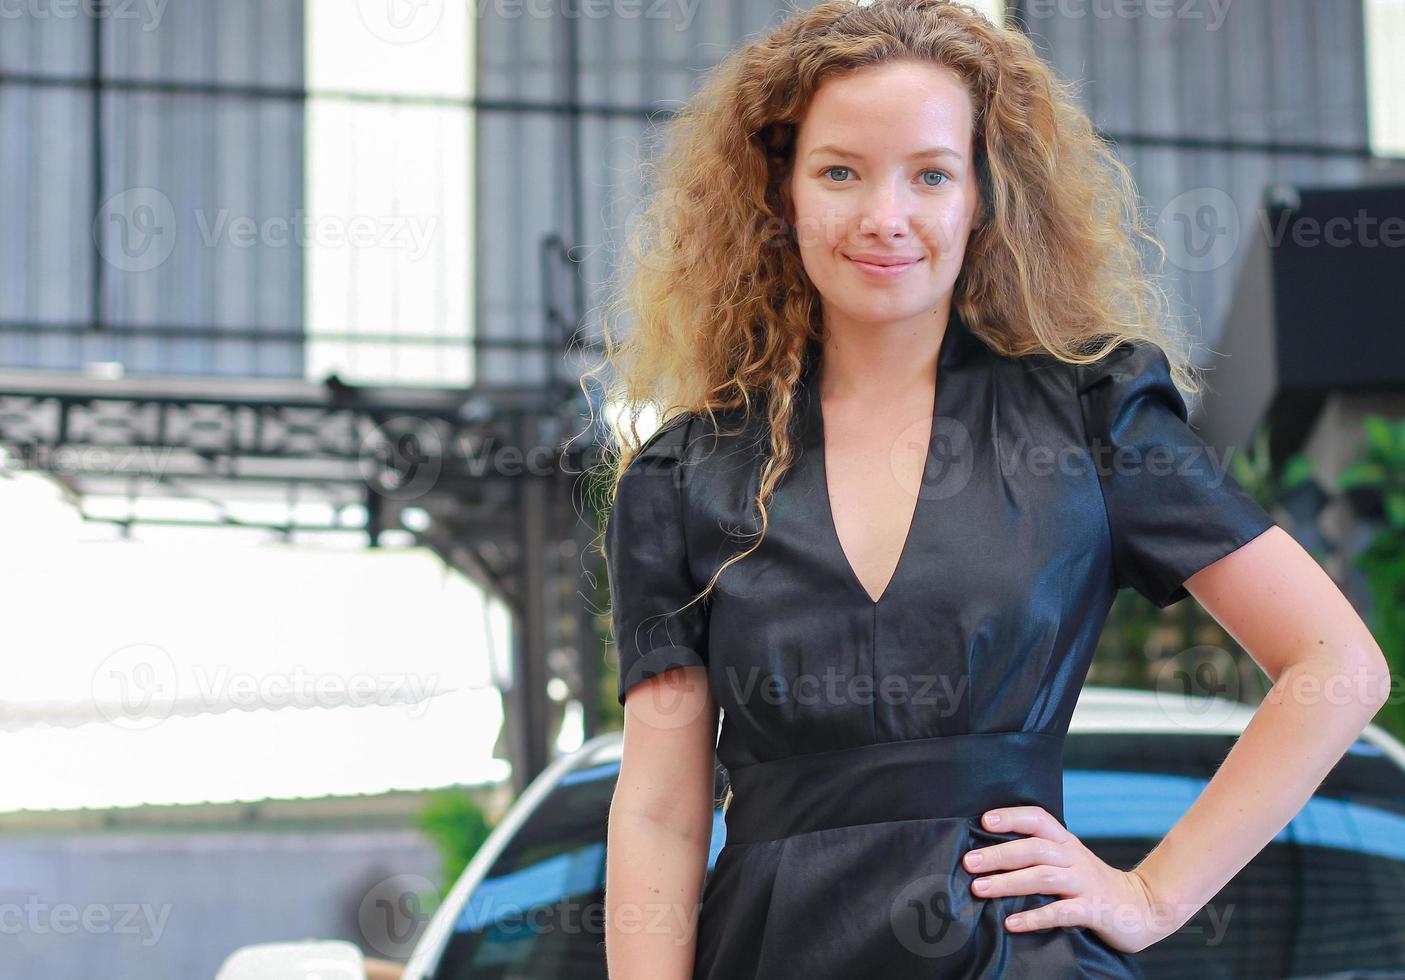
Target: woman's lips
878, 271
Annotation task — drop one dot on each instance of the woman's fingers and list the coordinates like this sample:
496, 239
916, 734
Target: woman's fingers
1041, 879
1016, 854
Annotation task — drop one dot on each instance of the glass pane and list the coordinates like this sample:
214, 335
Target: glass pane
389, 46
1385, 52
388, 219
1326, 895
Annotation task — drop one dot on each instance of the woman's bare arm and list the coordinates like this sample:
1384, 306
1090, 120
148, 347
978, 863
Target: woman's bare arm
660, 827
1330, 678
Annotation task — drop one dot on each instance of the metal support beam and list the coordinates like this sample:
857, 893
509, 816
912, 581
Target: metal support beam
527, 709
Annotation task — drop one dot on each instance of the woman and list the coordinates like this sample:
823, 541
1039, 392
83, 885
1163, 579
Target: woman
921, 424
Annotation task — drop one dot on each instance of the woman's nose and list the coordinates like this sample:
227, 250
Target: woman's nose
884, 212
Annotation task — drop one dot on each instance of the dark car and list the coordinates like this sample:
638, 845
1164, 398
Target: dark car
1325, 898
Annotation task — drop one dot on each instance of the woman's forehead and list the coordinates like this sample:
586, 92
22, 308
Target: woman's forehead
905, 108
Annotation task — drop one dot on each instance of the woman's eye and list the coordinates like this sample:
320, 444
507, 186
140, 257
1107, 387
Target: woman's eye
829, 172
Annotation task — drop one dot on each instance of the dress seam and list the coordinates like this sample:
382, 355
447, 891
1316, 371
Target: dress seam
849, 826
1080, 404
893, 741
873, 654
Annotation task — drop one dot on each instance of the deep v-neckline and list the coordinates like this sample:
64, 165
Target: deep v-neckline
945, 356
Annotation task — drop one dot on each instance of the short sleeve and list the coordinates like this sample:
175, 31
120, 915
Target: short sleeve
1172, 506
647, 564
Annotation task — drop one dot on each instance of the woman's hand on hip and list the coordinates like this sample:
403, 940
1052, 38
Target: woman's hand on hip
1117, 905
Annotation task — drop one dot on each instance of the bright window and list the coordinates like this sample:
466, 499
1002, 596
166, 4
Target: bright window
388, 191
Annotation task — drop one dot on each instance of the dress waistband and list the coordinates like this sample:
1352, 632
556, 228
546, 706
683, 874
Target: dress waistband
942, 776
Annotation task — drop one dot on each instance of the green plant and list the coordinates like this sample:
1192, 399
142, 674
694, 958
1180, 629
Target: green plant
456, 824
1379, 470
1124, 654
1253, 468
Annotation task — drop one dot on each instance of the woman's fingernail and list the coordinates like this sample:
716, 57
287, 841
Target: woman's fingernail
974, 860
1014, 922
993, 819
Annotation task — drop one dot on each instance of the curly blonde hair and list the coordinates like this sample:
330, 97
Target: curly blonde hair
722, 308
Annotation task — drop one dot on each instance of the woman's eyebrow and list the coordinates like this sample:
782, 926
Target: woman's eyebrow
931, 151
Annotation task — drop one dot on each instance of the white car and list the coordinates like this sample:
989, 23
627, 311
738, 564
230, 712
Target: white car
1324, 898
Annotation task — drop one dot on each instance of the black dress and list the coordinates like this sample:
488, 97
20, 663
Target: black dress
863, 739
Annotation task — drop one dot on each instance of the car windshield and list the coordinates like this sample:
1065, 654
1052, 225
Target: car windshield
1325, 896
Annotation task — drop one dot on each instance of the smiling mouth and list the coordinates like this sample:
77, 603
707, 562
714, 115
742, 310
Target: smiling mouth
883, 268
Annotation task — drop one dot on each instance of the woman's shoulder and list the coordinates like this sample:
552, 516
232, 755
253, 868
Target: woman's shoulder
1133, 377
1132, 359
668, 441
1131, 364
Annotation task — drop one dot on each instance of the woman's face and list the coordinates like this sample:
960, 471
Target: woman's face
884, 191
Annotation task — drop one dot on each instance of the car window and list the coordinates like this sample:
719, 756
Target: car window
538, 912
1327, 895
